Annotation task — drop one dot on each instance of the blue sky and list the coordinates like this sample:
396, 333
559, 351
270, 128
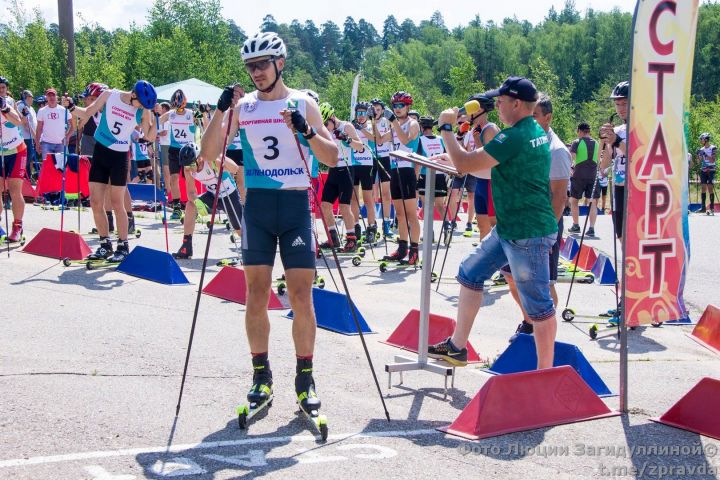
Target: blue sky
119, 13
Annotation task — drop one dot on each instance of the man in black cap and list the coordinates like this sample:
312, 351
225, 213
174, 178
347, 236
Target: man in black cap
519, 157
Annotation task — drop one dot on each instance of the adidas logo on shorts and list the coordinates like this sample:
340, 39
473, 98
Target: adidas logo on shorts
298, 242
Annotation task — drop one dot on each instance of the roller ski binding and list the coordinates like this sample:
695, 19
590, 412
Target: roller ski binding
468, 230
259, 396
229, 262
16, 234
307, 400
281, 284
186, 249
120, 254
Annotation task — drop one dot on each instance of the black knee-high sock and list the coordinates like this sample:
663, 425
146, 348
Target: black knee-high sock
703, 196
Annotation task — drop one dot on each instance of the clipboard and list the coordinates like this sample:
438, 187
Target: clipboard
425, 162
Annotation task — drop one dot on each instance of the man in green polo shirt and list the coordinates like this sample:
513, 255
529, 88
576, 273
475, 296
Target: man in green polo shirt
584, 182
519, 157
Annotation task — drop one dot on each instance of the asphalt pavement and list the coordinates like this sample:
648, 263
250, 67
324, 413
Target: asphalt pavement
91, 362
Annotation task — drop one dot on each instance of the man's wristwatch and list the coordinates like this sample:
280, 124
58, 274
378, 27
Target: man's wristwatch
309, 135
445, 127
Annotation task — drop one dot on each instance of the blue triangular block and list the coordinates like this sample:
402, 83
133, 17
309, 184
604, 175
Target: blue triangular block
153, 265
583, 210
2, 232
694, 207
332, 313
604, 271
521, 356
570, 248
681, 321
145, 192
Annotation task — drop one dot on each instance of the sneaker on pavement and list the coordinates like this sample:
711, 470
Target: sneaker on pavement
446, 351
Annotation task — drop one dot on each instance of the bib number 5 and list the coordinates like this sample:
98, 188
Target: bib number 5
116, 128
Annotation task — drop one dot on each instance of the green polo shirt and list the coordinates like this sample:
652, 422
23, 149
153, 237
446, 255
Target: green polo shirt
521, 181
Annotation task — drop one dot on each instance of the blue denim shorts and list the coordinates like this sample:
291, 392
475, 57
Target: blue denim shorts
528, 259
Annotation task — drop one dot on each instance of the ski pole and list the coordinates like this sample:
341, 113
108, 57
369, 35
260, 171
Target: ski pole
204, 264
5, 182
162, 185
345, 288
62, 189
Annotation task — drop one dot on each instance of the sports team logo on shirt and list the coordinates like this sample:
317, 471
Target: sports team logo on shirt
500, 137
250, 106
292, 104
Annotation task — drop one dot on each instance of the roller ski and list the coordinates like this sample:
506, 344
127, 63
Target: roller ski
447, 231
435, 278
498, 279
413, 261
16, 235
136, 232
186, 249
307, 399
581, 276
281, 284
229, 262
469, 230
260, 395
114, 260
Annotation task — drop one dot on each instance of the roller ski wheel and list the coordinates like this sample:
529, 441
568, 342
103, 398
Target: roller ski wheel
318, 421
281, 288
320, 283
98, 264
568, 315
247, 411
593, 332
498, 279
586, 278
357, 260
383, 267
77, 263
137, 233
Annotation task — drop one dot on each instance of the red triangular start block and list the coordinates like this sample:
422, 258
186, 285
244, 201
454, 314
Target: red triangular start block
229, 284
698, 411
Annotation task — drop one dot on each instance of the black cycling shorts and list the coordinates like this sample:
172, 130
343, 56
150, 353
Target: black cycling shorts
108, 166
229, 204
583, 187
339, 185
440, 185
466, 181
174, 160
403, 183
383, 170
363, 175
707, 178
619, 209
236, 156
278, 216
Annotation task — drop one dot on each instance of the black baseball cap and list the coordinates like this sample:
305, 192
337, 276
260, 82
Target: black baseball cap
516, 87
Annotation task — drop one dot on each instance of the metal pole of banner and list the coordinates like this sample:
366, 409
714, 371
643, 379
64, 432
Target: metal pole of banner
404, 363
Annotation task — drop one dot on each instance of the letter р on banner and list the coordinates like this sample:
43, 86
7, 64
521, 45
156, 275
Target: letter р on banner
656, 237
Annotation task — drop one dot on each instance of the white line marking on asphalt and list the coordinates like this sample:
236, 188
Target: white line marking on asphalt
70, 457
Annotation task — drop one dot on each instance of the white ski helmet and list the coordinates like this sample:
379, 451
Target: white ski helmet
263, 44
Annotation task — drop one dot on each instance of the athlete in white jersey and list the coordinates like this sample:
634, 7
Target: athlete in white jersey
14, 154
181, 132
277, 126
339, 183
615, 150
363, 170
121, 112
197, 168
235, 153
431, 145
378, 128
482, 132
405, 135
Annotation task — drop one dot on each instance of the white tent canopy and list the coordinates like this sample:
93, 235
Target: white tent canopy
195, 90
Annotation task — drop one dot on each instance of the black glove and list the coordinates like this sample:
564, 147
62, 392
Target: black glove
299, 123
340, 135
198, 114
357, 125
226, 98
3, 105
389, 115
25, 111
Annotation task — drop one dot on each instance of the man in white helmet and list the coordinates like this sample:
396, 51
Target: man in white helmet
278, 127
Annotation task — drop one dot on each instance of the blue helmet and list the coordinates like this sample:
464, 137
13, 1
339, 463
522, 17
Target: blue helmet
146, 94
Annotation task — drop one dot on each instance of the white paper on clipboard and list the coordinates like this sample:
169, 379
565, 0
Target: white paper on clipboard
424, 161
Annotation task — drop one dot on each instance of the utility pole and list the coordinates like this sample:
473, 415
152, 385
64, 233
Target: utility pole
67, 33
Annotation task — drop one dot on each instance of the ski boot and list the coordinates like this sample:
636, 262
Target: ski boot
121, 252
333, 241
350, 244
103, 252
177, 213
358, 231
398, 254
387, 229
446, 232
413, 257
468, 230
372, 233
307, 399
132, 229
186, 249
260, 394
16, 233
